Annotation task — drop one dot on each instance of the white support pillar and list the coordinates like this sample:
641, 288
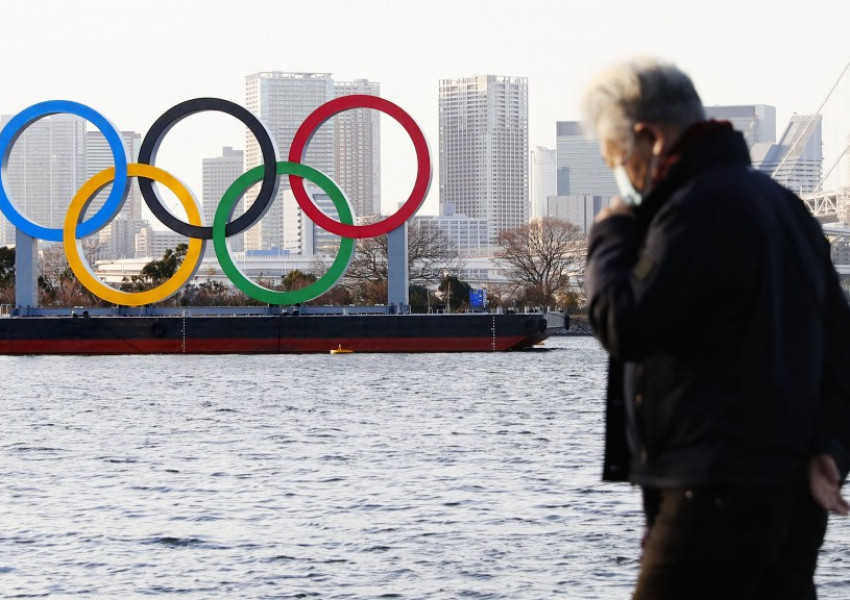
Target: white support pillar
26, 271
397, 274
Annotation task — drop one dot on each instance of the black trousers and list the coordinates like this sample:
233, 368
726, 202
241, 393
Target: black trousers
735, 542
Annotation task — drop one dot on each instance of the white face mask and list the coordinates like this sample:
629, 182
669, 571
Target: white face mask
628, 193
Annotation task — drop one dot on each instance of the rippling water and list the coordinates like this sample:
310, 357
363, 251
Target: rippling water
323, 476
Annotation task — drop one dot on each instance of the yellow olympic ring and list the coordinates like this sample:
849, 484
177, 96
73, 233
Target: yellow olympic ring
73, 246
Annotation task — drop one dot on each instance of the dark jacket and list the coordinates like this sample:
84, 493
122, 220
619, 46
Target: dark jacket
728, 333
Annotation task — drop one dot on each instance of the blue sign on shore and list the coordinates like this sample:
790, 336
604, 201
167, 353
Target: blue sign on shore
477, 298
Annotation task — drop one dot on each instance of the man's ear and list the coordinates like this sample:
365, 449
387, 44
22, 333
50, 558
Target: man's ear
653, 133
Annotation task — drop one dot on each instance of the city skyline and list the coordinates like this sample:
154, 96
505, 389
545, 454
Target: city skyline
483, 134
204, 49
730, 112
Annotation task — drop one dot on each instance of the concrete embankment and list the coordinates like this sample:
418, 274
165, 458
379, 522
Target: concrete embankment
579, 325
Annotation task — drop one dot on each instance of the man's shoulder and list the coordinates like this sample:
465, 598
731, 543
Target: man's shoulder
715, 193
732, 189
729, 180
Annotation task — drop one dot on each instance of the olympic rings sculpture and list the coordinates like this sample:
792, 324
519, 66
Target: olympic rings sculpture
75, 227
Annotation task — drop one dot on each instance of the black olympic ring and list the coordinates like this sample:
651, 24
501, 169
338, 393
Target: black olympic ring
268, 148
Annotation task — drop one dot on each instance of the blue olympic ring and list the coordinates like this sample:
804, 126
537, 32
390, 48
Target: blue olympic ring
15, 127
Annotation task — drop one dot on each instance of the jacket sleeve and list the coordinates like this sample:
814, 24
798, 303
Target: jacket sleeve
832, 428
617, 463
612, 252
646, 298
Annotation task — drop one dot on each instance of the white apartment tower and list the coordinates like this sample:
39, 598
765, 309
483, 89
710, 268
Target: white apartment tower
466, 236
282, 101
99, 157
347, 149
357, 154
544, 180
484, 149
219, 173
117, 239
47, 165
302, 235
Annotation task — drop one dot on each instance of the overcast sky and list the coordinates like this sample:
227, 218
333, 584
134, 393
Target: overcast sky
133, 60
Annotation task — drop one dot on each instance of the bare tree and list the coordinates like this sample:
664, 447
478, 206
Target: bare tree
54, 264
7, 275
542, 257
319, 266
429, 254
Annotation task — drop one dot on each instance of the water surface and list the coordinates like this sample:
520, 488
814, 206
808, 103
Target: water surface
437, 476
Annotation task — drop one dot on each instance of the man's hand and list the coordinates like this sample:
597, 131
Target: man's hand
616, 207
825, 484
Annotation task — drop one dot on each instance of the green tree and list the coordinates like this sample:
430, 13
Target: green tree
296, 280
420, 298
158, 271
454, 292
7, 275
7, 266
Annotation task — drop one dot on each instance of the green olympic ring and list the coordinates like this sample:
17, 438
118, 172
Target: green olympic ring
222, 248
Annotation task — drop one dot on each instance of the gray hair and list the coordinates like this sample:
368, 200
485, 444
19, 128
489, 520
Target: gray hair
641, 90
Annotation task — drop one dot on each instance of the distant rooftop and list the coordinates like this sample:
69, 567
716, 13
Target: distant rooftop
288, 75
569, 128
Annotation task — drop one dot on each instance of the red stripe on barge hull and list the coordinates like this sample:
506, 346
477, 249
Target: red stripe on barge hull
264, 345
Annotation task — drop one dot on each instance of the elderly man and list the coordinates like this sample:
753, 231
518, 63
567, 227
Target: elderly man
712, 289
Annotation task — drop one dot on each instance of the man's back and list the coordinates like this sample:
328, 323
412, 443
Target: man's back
729, 388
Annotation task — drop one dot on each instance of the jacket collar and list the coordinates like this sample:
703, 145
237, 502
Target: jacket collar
702, 146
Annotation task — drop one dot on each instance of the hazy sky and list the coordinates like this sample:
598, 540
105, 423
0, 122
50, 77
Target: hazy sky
133, 60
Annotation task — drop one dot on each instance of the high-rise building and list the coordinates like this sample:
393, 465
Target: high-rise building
46, 167
99, 157
756, 121
301, 234
544, 179
282, 101
581, 169
152, 244
797, 160
357, 154
218, 174
484, 149
578, 210
465, 235
117, 238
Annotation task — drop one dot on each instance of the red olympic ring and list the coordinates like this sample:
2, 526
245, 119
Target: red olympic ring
423, 174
